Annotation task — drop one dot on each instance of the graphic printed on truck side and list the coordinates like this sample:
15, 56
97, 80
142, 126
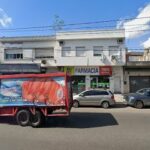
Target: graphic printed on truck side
39, 91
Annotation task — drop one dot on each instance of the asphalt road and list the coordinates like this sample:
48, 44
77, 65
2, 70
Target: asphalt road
122, 128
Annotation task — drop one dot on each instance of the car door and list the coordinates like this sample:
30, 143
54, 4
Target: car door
103, 96
87, 98
146, 98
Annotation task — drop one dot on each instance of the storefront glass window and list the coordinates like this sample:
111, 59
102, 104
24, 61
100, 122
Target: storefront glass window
78, 84
100, 82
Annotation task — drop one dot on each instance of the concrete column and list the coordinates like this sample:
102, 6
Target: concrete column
87, 82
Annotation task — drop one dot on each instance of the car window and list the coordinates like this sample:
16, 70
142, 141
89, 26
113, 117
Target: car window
95, 92
100, 93
87, 93
111, 92
142, 91
148, 93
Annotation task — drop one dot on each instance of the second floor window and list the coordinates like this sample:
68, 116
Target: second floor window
97, 50
67, 52
44, 53
80, 52
11, 54
114, 50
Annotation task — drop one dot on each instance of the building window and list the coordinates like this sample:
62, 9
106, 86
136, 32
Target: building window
80, 52
67, 52
13, 54
97, 50
114, 50
44, 53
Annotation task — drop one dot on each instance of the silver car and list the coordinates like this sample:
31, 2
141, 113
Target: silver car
102, 98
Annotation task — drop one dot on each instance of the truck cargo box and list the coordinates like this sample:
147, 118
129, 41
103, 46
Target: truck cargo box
46, 93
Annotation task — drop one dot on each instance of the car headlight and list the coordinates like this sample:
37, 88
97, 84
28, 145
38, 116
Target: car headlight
131, 98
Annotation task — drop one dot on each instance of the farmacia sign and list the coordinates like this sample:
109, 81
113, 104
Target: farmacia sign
86, 71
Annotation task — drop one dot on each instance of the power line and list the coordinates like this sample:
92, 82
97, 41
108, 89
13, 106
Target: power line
76, 24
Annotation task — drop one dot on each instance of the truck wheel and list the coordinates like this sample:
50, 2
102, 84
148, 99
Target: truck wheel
105, 105
139, 104
23, 117
37, 119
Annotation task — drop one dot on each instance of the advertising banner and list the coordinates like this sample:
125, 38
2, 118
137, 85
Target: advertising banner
32, 91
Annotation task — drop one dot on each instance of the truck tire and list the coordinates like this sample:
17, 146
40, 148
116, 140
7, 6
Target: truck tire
23, 117
37, 119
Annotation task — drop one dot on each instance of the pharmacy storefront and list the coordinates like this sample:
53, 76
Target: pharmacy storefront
84, 78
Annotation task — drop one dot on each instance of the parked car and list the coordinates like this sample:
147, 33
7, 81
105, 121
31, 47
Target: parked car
139, 99
94, 97
142, 91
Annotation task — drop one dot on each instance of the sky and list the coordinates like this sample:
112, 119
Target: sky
37, 17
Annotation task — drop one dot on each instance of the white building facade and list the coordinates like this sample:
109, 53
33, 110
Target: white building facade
95, 59
29, 50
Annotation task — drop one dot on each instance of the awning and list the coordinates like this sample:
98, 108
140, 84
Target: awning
19, 68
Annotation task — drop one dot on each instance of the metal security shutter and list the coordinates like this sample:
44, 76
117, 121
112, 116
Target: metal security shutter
137, 82
19, 68
44, 53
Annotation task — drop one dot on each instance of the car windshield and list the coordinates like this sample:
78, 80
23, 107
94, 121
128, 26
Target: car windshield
142, 91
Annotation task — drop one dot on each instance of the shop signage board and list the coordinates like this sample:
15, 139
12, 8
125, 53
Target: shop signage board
86, 71
106, 70
102, 71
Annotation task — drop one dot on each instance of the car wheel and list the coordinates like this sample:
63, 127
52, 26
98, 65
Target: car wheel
23, 117
105, 105
75, 104
139, 104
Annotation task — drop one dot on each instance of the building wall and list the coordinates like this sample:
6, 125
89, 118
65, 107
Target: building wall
73, 40
116, 81
127, 75
28, 51
89, 59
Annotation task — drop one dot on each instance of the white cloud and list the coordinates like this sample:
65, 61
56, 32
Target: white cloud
138, 26
5, 20
146, 44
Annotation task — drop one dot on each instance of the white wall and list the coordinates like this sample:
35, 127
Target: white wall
28, 51
91, 34
117, 80
89, 59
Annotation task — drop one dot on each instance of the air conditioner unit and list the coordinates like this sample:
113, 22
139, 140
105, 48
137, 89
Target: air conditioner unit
120, 41
61, 43
116, 58
43, 62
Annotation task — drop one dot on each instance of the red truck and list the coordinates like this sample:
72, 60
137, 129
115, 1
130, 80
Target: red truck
32, 97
